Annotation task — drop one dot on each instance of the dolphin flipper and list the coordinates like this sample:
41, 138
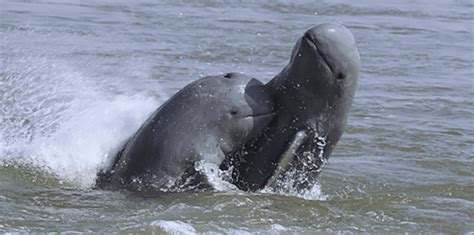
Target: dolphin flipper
287, 157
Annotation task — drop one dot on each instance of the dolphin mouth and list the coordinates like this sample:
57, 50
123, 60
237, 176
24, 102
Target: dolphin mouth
260, 119
260, 114
313, 43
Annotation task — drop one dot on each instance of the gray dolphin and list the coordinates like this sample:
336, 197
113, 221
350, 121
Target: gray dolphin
204, 121
312, 97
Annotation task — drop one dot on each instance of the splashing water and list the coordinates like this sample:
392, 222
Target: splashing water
61, 120
299, 179
219, 179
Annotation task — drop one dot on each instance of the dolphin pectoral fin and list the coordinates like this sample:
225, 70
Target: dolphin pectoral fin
287, 156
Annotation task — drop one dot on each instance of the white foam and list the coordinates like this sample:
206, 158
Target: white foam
314, 193
174, 227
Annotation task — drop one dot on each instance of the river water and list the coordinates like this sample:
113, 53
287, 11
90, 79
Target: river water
77, 78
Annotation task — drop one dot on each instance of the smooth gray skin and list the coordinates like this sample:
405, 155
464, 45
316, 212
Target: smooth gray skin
312, 95
204, 121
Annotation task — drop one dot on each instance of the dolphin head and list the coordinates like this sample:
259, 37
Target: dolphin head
325, 59
237, 107
332, 51
321, 77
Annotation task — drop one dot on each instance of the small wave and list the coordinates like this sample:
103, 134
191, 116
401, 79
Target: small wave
174, 227
314, 193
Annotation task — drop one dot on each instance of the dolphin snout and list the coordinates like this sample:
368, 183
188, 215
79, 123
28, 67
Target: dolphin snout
335, 44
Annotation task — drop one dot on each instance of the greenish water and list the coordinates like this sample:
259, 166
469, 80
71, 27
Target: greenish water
78, 77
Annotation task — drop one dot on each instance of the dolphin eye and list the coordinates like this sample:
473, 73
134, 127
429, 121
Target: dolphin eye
231, 75
234, 111
340, 76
